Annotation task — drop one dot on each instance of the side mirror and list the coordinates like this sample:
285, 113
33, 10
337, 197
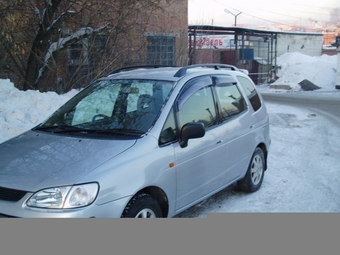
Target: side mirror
190, 131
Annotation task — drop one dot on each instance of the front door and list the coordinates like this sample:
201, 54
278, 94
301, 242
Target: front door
200, 166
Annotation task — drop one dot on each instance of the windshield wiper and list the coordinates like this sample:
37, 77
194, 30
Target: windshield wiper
121, 131
61, 129
72, 129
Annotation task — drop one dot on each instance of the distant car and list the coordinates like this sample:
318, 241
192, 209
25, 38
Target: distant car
142, 142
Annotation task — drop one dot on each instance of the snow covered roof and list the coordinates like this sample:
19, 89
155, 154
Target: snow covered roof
207, 29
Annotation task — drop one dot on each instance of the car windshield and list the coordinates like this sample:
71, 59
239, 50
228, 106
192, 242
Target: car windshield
111, 106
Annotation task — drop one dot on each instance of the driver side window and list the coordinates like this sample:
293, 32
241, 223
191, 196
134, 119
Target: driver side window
199, 107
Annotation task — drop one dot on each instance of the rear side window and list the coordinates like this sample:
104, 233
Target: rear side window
230, 100
250, 91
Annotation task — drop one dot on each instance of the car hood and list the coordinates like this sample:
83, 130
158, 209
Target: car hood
36, 160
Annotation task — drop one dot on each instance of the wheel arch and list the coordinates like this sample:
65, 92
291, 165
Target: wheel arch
263, 147
161, 197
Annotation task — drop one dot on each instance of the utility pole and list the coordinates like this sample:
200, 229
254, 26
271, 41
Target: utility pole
235, 15
235, 36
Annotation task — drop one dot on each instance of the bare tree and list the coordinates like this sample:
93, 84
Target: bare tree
47, 45
13, 42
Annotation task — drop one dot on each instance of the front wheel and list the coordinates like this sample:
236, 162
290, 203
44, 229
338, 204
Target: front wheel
253, 179
142, 206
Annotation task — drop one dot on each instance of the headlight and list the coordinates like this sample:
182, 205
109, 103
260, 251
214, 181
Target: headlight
64, 197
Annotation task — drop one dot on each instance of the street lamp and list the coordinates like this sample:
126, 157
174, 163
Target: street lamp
235, 35
235, 15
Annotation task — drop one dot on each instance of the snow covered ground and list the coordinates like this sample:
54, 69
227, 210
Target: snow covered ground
303, 169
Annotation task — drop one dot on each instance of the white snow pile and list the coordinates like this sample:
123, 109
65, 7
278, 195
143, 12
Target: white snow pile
296, 67
22, 110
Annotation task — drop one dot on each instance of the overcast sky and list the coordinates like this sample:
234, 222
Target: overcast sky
210, 12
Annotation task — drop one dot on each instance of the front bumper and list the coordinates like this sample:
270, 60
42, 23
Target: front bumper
18, 209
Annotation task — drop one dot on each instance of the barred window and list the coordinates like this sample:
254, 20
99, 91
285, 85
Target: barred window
161, 50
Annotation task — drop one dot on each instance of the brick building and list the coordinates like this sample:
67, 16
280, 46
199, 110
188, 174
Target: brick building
167, 33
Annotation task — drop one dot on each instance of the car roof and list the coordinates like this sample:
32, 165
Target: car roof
159, 73
168, 73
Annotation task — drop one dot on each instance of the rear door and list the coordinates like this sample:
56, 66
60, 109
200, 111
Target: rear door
235, 118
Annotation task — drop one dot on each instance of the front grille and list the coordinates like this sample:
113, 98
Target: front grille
12, 195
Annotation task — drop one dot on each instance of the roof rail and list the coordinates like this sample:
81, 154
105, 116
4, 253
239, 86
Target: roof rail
136, 67
184, 70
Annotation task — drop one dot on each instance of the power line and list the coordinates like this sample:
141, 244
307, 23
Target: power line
283, 15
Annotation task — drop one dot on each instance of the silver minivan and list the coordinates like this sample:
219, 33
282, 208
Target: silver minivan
141, 142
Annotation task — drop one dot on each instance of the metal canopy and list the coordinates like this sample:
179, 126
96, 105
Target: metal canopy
240, 34
199, 30
207, 29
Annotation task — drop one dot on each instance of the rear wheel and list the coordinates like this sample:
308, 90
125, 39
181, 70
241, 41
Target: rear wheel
142, 206
253, 179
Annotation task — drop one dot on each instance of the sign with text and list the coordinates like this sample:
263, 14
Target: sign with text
213, 42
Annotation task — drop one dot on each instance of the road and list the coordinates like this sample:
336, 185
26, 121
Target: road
303, 164
327, 106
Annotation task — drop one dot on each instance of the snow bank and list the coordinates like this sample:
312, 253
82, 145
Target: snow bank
22, 110
296, 67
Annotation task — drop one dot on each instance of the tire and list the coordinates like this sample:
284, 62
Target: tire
142, 206
253, 179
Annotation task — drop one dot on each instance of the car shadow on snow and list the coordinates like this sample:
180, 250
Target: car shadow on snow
213, 204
